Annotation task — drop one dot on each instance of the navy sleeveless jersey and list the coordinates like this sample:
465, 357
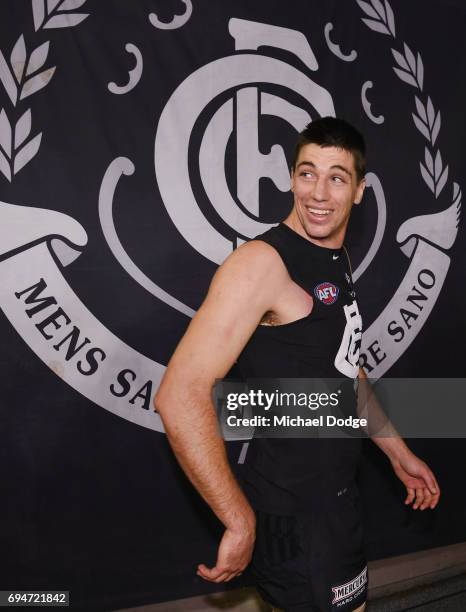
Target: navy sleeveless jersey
297, 475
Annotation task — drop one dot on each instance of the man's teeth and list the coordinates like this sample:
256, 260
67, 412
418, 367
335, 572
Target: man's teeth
318, 211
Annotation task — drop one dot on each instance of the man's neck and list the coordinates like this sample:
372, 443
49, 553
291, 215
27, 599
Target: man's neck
294, 223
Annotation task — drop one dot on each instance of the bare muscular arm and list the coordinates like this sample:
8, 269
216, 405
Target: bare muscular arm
421, 485
243, 288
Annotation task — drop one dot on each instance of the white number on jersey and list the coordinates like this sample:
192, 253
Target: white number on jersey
347, 358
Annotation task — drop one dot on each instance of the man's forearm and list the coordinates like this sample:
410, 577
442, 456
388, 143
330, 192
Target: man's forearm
193, 432
393, 446
380, 429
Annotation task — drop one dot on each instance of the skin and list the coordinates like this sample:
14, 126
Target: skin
253, 282
324, 180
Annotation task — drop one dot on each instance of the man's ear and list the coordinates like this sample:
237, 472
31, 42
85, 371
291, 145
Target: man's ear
360, 191
291, 178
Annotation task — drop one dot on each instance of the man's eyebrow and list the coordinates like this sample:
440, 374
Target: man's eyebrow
336, 167
343, 169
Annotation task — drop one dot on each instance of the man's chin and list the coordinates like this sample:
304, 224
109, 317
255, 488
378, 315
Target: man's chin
317, 233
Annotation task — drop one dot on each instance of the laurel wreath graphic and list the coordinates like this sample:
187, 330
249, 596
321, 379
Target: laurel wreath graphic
380, 18
23, 76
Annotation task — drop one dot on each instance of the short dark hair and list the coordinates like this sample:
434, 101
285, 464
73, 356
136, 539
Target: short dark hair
334, 132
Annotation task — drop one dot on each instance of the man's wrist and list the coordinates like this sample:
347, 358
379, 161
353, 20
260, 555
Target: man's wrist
243, 521
394, 447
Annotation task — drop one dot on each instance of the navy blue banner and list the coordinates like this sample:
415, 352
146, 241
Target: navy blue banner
142, 142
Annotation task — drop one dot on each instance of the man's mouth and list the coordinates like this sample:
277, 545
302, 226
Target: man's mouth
320, 212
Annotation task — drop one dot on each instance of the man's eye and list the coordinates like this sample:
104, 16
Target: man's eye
307, 174
337, 179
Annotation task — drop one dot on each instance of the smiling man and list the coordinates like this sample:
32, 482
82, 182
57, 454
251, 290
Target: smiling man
326, 182
283, 305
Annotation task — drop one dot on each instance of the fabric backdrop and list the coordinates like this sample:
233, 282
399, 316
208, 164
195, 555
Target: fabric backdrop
140, 143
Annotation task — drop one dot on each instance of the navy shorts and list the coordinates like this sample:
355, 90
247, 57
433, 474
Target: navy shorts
313, 562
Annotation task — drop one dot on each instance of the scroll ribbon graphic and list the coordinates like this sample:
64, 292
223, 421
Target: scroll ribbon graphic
40, 304
423, 239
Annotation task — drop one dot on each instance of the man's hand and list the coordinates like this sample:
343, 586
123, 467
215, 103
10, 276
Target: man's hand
234, 554
420, 482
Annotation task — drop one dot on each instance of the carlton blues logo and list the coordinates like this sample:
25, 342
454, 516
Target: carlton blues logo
219, 162
326, 293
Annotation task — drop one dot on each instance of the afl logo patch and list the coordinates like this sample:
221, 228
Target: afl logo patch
326, 293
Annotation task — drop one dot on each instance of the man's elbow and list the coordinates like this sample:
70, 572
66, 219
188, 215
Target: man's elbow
181, 395
161, 401
164, 405
170, 388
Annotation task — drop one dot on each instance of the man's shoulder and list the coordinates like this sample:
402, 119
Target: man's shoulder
257, 255
258, 248
255, 261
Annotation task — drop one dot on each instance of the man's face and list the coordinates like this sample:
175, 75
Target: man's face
325, 188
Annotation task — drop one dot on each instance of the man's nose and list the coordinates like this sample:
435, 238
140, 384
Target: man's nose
320, 192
